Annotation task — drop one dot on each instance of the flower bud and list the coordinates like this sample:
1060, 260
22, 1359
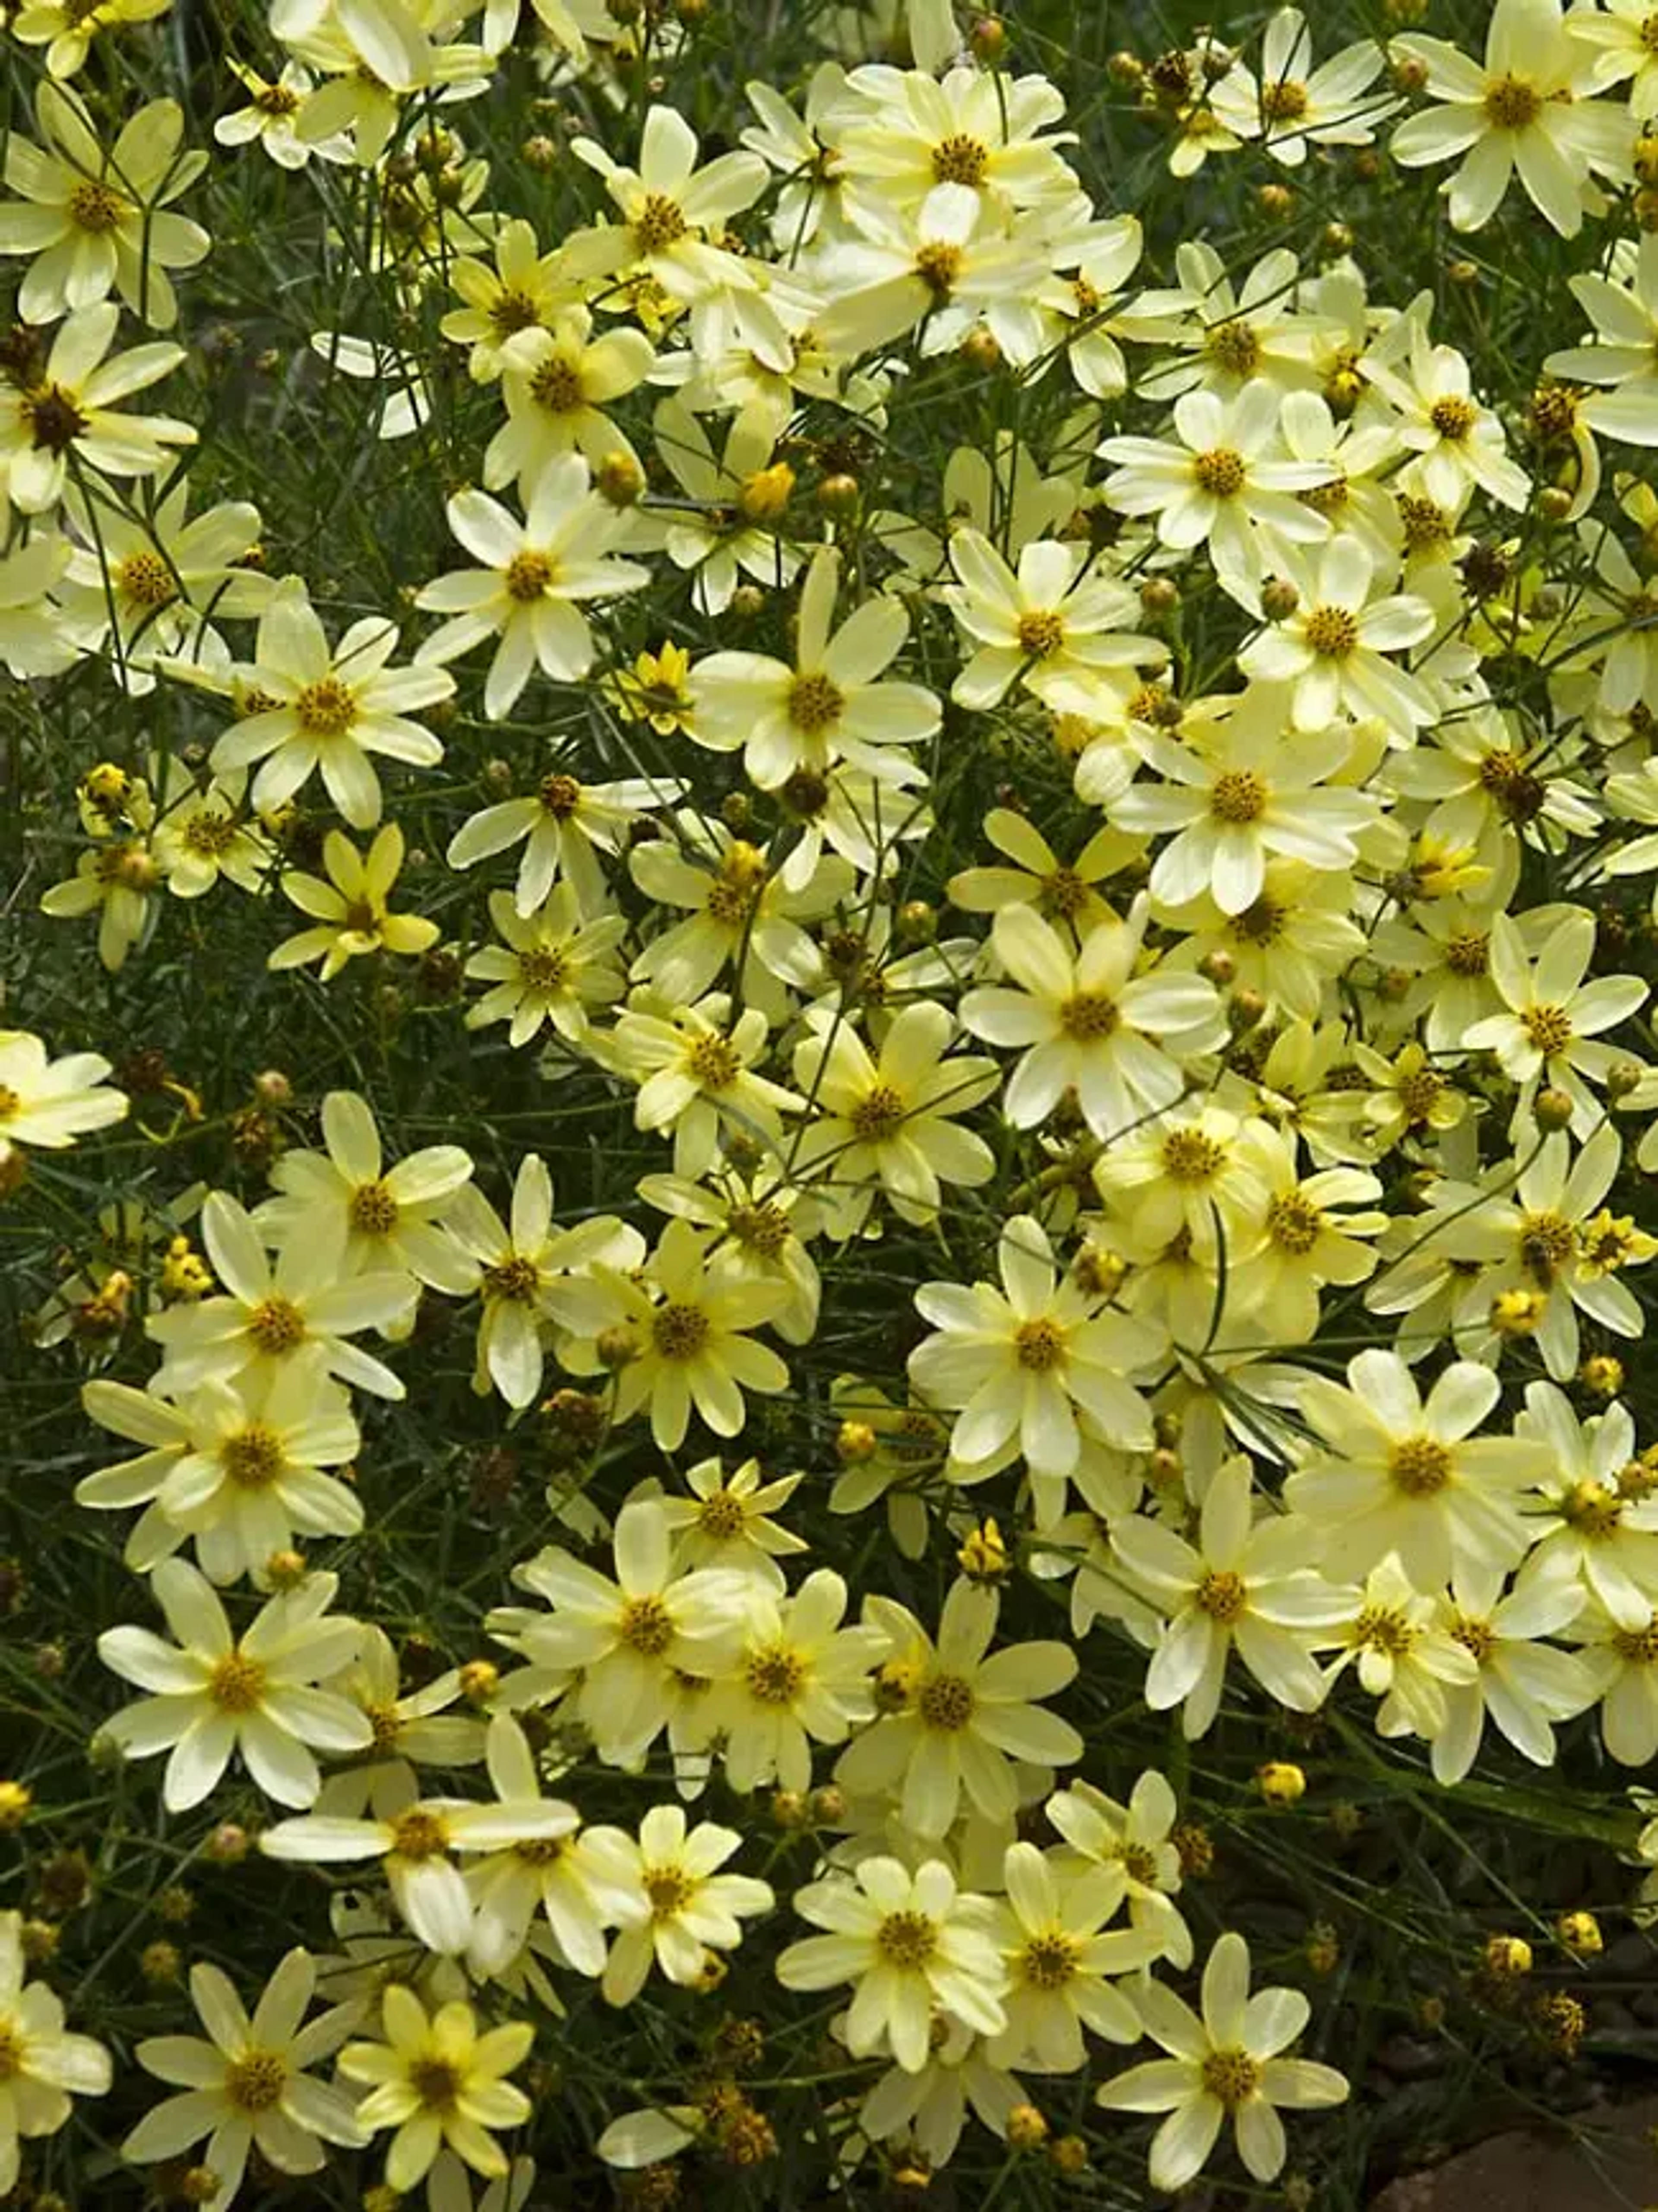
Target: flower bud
1026, 2128
765, 495
838, 495
479, 1681
1279, 599
618, 1347
1280, 1782
1553, 1109
1508, 1957
1580, 1933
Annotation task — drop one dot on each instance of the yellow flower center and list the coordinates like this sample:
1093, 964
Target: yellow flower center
1549, 1029
542, 969
527, 577
253, 1457
1237, 795
326, 709
1232, 2076
1637, 1647
1220, 472
93, 207
774, 1675
877, 1113
1593, 1511
1384, 1628
1233, 346
679, 1332
1453, 417
960, 159
660, 223
646, 1626
945, 1702
722, 1516
1039, 1345
907, 1940
714, 1063
1294, 1223
1190, 1157
1040, 633
1064, 893
419, 1835
1139, 1863
1285, 102
670, 1890
386, 1724
1477, 1637
145, 580
236, 1684
1223, 1595
1419, 1092
1547, 1243
1468, 953
763, 1229
276, 1325
1048, 1961
517, 1280
1512, 104
255, 2082
1089, 1016
1420, 1466
555, 385
735, 890
371, 1210
1332, 632
208, 833
815, 704
938, 266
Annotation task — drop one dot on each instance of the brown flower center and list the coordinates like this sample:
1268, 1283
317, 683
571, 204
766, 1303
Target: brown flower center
236, 1684
326, 709
253, 1457
276, 1325
1237, 795
774, 1676
660, 223
945, 1702
815, 704
254, 2082
1223, 1595
1332, 632
1512, 104
679, 1332
527, 577
960, 159
646, 1626
1089, 1016
907, 1940
1232, 2076
1039, 1346
371, 1210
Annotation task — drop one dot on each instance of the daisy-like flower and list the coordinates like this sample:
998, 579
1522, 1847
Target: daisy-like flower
1217, 484
688, 1312
1400, 1475
670, 1904
214, 1695
523, 1264
202, 834
740, 908
408, 1727
47, 1103
1330, 651
328, 708
268, 1311
910, 1942
1248, 791
626, 1638
66, 28
763, 1220
116, 881
799, 1678
564, 829
696, 1077
1394, 1638
268, 120
1061, 632
556, 380
831, 705
1524, 1685
1621, 1661
45, 2066
551, 968
1022, 1362
549, 1875
966, 1714
1058, 1955
1060, 891
499, 305
1225, 2066
1244, 1586
720, 530
1525, 110
247, 2085
1131, 1844
1601, 1537
908, 131
1456, 443
382, 1218
886, 1121
1293, 105
1628, 56
1303, 1238
1548, 1034
726, 1521
98, 221
1171, 1178
352, 909
438, 2082
1623, 308
1088, 1023
74, 413
239, 1467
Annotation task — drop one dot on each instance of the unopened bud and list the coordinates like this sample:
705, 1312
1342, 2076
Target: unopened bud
1026, 2128
1553, 1109
765, 494
1280, 1784
855, 1442
616, 1347
479, 1681
838, 495
1508, 1957
619, 479
1159, 595
1279, 599
272, 1086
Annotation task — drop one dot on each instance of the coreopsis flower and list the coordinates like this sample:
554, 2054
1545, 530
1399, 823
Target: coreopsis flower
799, 1678
247, 2084
381, 1217
1251, 792
1399, 1476
908, 131
1331, 650
1626, 57
886, 1121
268, 120
1023, 1362
1623, 308
1395, 1640
1226, 2065
556, 380
551, 1874
1217, 483
1130, 1843
910, 1942
1621, 1662
564, 829
1456, 442
551, 968
626, 1638
1549, 1032
696, 1077
1088, 1023
1293, 105
47, 1103
1060, 891
73, 412
967, 1712
1602, 1539
740, 910
216, 1695
763, 1220
98, 221
1242, 1586
202, 834
1181, 1174
726, 1521
1525, 110
352, 908
1524, 1685
830, 706
268, 1310
413, 1726
237, 1466
719, 531
670, 1902
67, 30
328, 708
1055, 624
438, 2082
500, 304
1304, 1238
118, 882
45, 2065
1059, 1955
523, 1262
376, 62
